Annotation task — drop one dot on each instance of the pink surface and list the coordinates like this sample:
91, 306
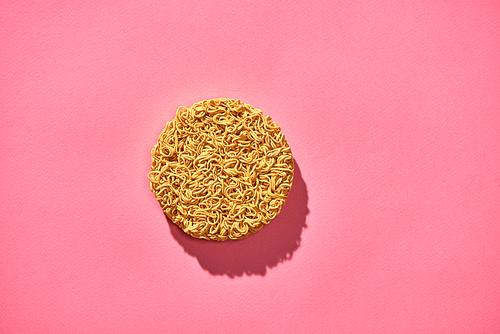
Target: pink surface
392, 110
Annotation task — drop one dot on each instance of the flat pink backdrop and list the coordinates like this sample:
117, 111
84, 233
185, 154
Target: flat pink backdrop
392, 110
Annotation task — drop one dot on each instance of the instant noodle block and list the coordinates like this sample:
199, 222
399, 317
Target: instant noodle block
221, 169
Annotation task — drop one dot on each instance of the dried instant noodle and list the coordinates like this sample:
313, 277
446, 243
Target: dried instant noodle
221, 170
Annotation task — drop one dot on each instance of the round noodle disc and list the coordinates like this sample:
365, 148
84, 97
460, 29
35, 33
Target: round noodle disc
221, 170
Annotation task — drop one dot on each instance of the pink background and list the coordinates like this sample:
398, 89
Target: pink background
392, 110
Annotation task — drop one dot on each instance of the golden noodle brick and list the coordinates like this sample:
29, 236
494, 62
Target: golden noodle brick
221, 170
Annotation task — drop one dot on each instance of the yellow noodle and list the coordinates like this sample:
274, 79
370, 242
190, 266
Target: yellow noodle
221, 170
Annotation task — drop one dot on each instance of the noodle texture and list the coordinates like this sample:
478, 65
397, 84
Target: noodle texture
221, 170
